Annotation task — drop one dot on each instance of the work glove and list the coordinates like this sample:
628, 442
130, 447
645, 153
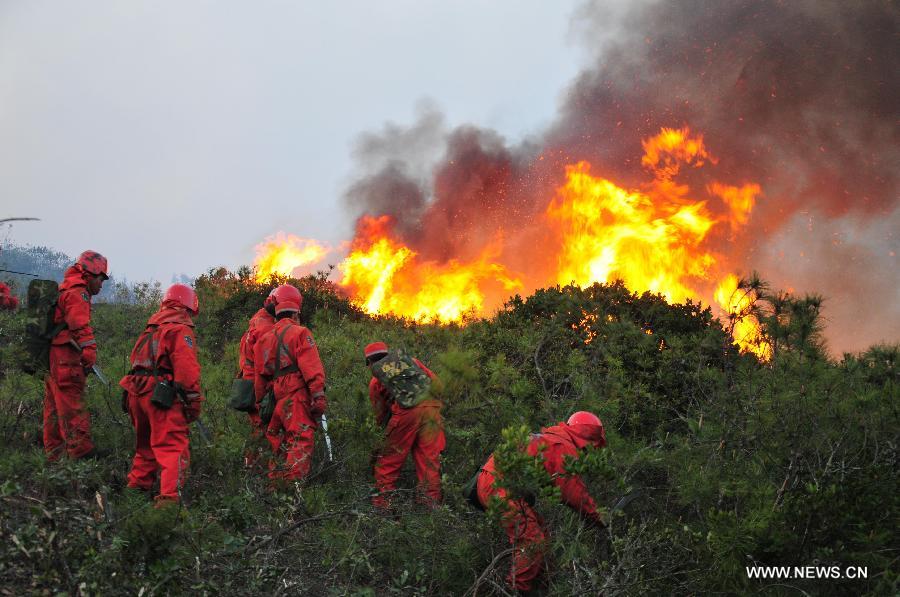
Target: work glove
319, 406
125, 401
88, 357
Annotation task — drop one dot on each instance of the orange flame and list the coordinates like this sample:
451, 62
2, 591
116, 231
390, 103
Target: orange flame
384, 276
664, 153
284, 254
739, 199
609, 233
746, 331
653, 240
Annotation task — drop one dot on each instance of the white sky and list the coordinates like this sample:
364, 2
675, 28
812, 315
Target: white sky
174, 136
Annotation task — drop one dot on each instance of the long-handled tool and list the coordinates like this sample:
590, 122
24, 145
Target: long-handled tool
100, 376
203, 431
99, 373
327, 439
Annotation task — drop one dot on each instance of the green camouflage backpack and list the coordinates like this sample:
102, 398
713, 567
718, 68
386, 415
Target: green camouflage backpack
39, 326
404, 380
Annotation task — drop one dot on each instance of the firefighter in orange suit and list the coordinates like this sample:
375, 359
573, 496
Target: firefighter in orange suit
8, 302
287, 362
261, 322
524, 527
418, 430
73, 351
165, 352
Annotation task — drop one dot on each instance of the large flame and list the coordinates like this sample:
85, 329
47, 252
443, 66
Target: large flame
738, 302
385, 276
609, 233
655, 238
286, 255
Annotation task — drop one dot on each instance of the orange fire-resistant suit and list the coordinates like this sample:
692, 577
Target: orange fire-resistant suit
419, 430
261, 322
161, 435
67, 424
522, 524
299, 393
8, 302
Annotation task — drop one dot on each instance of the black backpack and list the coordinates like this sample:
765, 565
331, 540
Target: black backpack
39, 327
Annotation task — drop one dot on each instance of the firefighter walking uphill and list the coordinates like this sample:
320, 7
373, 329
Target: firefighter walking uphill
523, 526
163, 395
261, 322
73, 351
290, 388
403, 402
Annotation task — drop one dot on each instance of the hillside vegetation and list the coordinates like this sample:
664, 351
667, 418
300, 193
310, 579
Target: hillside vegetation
726, 462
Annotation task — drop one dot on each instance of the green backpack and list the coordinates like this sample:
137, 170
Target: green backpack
39, 327
404, 380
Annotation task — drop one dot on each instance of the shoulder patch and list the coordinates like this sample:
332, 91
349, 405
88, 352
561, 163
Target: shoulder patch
189, 341
85, 296
310, 341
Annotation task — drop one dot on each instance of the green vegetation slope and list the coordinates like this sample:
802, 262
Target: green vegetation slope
726, 462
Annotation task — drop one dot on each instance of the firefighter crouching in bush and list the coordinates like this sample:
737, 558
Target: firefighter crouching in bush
243, 395
8, 302
73, 351
405, 407
290, 388
163, 395
522, 524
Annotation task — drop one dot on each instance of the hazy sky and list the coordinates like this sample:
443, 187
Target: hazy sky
174, 136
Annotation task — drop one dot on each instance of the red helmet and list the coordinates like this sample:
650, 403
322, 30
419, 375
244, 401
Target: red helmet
585, 418
375, 348
589, 429
94, 263
183, 295
287, 298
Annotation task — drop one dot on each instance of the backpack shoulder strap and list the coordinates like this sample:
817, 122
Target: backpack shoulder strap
54, 329
292, 368
149, 332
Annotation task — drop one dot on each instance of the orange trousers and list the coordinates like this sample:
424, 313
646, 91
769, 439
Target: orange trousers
523, 527
291, 433
419, 430
67, 424
161, 447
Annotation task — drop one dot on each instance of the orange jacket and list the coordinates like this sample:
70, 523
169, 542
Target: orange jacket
382, 403
171, 339
261, 322
7, 300
74, 308
558, 442
300, 350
